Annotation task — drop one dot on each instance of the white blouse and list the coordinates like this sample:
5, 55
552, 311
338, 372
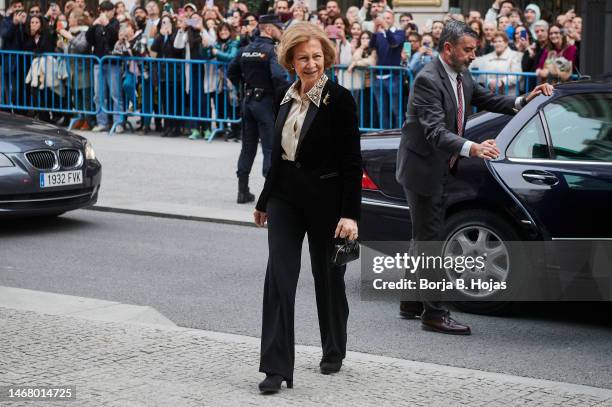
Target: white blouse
297, 114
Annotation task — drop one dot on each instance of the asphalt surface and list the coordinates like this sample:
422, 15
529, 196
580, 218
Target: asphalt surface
210, 276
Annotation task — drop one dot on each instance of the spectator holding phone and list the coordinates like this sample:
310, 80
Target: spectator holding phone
424, 55
103, 36
52, 14
344, 56
352, 15
364, 57
152, 22
192, 37
299, 12
12, 32
499, 8
39, 40
169, 74
224, 49
369, 12
535, 49
81, 79
388, 41
248, 30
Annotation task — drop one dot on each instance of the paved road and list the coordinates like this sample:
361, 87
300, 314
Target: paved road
210, 276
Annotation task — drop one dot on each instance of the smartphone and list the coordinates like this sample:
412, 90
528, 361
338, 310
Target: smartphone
192, 22
210, 3
524, 34
332, 32
408, 49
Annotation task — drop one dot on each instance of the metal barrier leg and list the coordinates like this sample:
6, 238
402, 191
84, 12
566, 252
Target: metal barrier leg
111, 132
218, 130
72, 122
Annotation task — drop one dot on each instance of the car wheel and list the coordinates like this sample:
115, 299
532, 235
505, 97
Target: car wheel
476, 233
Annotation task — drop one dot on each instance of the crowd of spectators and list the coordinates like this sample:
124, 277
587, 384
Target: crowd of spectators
510, 40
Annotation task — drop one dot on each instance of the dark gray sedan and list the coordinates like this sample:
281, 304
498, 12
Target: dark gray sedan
44, 170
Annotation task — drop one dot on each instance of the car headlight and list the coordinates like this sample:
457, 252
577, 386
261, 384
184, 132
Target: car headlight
90, 154
5, 161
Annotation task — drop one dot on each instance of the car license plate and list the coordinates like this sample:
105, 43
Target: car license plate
59, 179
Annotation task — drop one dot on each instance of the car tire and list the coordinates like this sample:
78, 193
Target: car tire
471, 222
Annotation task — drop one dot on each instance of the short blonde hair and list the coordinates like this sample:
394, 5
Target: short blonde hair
299, 33
502, 35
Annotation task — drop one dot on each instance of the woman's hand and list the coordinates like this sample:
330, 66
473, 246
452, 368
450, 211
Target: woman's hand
66, 34
260, 218
346, 229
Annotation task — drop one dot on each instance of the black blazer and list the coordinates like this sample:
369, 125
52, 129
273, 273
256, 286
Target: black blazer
429, 135
329, 150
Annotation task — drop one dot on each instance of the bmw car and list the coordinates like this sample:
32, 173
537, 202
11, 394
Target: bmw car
44, 170
552, 182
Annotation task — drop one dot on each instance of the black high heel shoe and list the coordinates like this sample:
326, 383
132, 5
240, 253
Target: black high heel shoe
272, 384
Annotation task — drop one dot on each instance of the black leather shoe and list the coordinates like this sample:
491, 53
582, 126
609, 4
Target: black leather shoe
445, 324
272, 384
330, 367
410, 309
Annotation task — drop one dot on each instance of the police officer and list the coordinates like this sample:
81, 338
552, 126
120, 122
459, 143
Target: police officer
259, 72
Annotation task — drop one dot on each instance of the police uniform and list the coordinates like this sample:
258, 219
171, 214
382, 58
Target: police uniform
257, 69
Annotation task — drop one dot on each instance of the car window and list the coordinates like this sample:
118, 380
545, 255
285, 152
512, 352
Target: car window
581, 127
530, 142
485, 125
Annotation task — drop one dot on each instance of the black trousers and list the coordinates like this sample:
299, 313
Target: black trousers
290, 217
427, 216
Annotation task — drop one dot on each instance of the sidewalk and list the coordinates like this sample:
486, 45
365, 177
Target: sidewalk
61, 340
173, 176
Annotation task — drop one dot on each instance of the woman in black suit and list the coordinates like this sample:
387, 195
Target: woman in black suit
314, 188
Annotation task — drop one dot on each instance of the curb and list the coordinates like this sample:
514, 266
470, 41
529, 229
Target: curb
170, 215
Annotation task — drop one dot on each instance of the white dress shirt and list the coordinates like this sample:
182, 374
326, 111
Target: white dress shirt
297, 114
452, 76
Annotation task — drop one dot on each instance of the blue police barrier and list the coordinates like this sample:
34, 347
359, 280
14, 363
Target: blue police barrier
380, 92
50, 82
196, 91
506, 83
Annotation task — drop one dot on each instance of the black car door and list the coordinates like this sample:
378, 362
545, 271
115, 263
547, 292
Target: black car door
559, 165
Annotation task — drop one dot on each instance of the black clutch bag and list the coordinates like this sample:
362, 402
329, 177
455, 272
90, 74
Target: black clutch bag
345, 251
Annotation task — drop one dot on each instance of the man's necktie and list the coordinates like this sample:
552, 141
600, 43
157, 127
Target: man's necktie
454, 158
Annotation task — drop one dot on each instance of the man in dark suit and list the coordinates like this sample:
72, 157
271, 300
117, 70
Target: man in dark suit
432, 142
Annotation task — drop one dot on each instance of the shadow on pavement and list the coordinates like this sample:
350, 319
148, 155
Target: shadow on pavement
42, 225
